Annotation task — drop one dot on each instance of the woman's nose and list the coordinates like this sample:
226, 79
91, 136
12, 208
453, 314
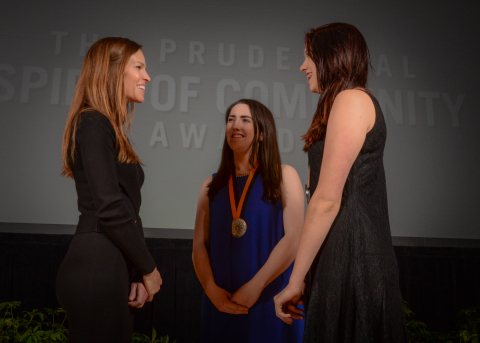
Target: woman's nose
147, 77
302, 67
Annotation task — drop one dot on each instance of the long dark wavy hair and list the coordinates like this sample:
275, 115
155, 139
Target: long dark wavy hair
342, 59
265, 151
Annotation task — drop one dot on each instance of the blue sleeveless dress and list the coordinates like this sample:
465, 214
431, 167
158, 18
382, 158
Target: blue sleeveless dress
235, 261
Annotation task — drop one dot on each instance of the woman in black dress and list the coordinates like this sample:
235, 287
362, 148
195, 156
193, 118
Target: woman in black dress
352, 292
96, 283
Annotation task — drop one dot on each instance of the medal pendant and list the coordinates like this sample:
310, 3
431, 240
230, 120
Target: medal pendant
239, 227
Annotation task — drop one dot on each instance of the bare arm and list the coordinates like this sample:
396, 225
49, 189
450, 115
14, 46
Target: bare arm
351, 117
201, 259
293, 205
284, 252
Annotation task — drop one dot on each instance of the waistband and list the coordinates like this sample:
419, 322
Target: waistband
89, 223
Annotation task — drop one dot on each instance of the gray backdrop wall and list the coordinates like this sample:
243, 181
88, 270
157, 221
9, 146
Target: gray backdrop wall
203, 55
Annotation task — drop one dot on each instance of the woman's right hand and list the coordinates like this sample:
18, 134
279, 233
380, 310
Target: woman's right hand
152, 283
286, 303
221, 300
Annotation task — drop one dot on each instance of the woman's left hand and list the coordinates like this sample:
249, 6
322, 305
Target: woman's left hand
248, 294
138, 295
288, 300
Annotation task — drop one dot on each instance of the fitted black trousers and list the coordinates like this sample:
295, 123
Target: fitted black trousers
93, 285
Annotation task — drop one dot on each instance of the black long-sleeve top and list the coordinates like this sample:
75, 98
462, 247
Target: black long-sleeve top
109, 190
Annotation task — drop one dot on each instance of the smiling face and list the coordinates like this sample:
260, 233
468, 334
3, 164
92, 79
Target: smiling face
310, 69
135, 78
240, 131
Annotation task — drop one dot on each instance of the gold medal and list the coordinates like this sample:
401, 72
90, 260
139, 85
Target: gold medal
239, 227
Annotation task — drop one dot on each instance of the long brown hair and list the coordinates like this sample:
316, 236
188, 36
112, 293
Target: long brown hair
265, 151
341, 57
100, 88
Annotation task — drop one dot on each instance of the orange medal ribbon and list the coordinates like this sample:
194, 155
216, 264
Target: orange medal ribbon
239, 226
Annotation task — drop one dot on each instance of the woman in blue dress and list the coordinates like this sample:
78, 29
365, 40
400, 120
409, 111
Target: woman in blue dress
247, 229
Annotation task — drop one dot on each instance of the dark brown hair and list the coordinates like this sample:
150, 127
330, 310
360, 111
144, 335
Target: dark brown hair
341, 57
100, 88
265, 151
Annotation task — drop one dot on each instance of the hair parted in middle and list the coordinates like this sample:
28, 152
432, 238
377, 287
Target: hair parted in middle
265, 151
342, 59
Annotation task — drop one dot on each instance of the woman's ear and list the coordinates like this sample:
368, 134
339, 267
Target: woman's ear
260, 137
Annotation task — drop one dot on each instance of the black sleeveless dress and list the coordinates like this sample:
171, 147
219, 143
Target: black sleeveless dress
352, 290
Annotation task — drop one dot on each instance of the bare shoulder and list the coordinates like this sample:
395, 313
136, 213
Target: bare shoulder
291, 187
204, 188
354, 97
288, 171
289, 175
354, 103
207, 181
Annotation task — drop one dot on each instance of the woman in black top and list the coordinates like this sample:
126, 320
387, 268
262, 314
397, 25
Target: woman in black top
352, 292
95, 283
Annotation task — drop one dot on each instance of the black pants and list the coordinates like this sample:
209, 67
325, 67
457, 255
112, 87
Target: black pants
93, 285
